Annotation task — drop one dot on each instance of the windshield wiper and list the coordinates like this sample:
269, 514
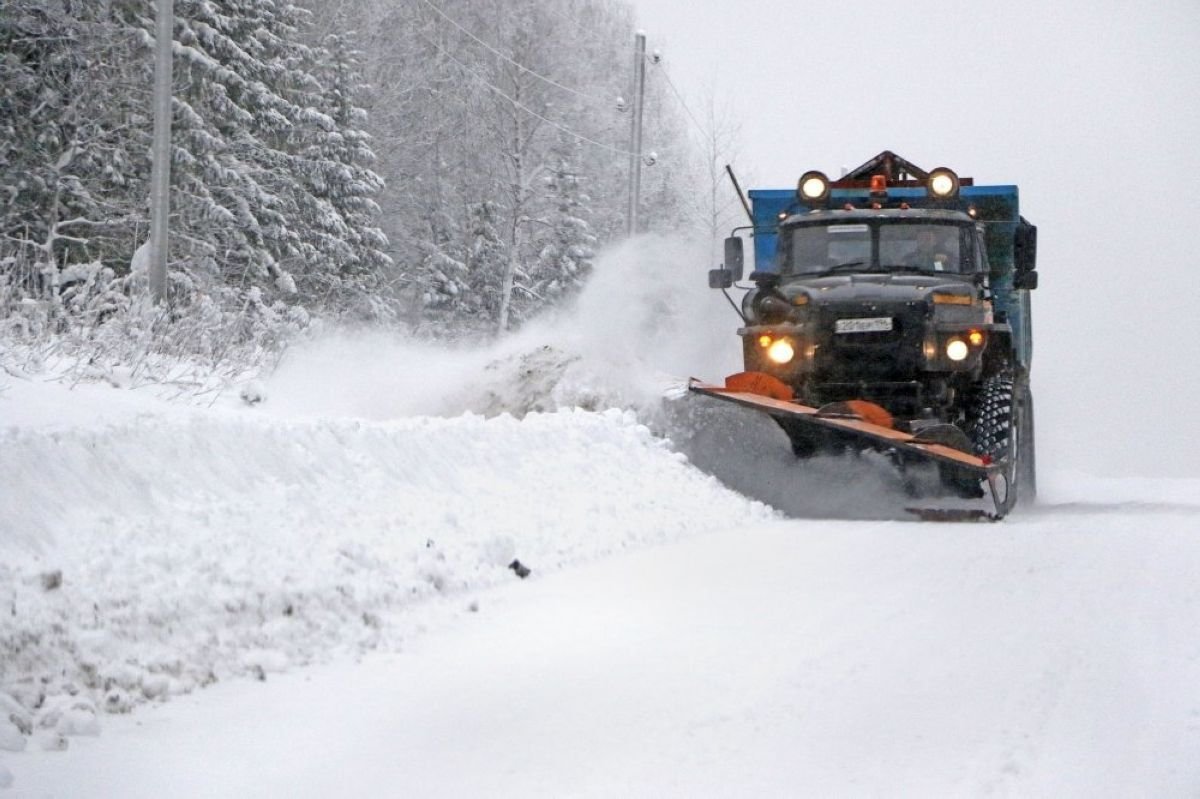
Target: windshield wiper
838, 267
858, 266
924, 270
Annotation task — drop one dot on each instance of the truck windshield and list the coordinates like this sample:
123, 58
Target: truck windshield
878, 246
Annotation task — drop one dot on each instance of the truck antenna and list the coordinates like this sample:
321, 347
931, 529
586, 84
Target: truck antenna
738, 189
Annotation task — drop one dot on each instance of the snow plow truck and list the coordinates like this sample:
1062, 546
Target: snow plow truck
889, 310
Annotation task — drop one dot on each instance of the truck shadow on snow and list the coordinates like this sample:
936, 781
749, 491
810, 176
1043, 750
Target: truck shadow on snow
749, 453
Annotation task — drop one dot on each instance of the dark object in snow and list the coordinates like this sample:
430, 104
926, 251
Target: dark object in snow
52, 580
53, 742
252, 393
520, 568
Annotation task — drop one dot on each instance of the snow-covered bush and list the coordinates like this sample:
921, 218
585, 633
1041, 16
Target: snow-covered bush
108, 329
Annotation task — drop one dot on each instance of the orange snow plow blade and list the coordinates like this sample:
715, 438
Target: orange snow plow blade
851, 420
759, 383
864, 420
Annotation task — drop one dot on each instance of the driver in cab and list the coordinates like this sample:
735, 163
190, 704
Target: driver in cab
930, 252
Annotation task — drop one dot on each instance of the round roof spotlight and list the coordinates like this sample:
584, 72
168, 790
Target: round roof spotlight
943, 183
813, 187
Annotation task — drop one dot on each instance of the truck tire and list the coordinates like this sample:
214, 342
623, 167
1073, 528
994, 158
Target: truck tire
994, 430
989, 417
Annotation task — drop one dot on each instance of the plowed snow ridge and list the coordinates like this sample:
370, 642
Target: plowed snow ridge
193, 547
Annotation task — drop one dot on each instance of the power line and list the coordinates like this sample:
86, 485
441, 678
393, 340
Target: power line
679, 97
522, 67
525, 108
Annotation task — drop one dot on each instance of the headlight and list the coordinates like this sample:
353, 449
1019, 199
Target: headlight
943, 183
957, 349
781, 351
813, 186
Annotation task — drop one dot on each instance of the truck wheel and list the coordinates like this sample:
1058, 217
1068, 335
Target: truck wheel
989, 419
993, 434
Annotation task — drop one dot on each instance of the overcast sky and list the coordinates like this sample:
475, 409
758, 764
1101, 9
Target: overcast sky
1091, 108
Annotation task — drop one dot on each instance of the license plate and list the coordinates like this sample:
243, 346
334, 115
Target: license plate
874, 324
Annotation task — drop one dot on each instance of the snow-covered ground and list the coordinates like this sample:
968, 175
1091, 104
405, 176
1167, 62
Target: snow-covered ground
1055, 654
333, 564
146, 556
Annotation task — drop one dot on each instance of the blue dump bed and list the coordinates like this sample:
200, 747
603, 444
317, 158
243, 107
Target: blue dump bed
996, 206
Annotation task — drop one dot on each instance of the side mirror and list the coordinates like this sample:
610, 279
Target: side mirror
734, 258
720, 278
1026, 280
1025, 247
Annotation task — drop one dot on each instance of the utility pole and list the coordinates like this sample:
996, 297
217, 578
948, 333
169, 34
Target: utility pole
635, 132
160, 169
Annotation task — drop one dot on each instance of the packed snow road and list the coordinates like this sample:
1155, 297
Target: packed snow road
1053, 655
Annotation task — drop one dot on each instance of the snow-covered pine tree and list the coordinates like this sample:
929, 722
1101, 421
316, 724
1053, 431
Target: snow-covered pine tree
487, 260
566, 242
440, 279
70, 141
231, 168
345, 264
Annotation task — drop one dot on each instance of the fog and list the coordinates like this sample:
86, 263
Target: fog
1090, 108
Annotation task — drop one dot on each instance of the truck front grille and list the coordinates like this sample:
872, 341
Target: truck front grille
894, 354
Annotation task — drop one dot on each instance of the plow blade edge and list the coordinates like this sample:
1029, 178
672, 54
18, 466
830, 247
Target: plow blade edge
876, 435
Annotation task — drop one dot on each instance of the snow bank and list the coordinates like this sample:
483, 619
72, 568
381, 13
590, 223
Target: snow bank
147, 548
145, 557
